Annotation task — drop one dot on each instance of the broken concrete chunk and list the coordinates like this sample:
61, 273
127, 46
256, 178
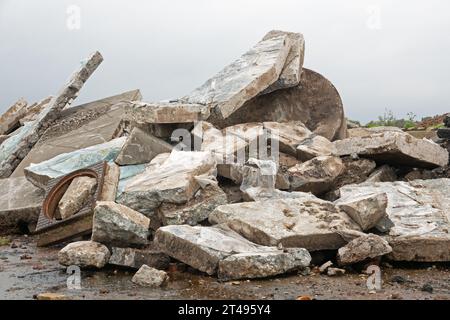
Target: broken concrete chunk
419, 211
85, 254
335, 272
15, 149
39, 174
119, 226
307, 223
384, 173
315, 102
140, 148
262, 265
10, 119
76, 196
172, 181
365, 209
290, 76
366, 247
367, 132
395, 148
195, 210
289, 135
164, 112
245, 78
33, 111
203, 247
316, 175
20, 204
110, 183
315, 146
149, 277
135, 258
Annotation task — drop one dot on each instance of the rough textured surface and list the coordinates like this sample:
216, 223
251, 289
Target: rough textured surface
366, 247
110, 183
149, 277
172, 180
245, 78
383, 174
10, 118
164, 112
134, 258
140, 148
203, 247
290, 75
76, 196
288, 134
85, 254
315, 146
316, 175
365, 209
39, 174
14, 149
261, 265
395, 148
80, 127
305, 222
315, 102
195, 210
20, 202
419, 211
119, 226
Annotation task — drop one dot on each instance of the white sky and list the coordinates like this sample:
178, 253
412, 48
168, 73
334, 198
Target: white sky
397, 59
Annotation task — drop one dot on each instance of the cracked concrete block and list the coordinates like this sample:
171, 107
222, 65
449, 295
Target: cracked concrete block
84, 254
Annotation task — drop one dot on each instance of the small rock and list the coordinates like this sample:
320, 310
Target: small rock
332, 272
84, 254
362, 248
325, 266
149, 277
51, 296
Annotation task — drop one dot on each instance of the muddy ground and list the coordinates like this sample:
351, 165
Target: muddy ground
26, 271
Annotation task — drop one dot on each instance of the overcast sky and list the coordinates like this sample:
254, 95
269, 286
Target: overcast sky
379, 54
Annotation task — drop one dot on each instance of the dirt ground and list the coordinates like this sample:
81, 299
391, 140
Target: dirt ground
26, 271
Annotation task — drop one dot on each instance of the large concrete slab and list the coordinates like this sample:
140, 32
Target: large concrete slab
80, 127
396, 148
304, 222
245, 78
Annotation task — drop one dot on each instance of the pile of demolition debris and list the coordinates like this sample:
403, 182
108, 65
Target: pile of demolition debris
246, 177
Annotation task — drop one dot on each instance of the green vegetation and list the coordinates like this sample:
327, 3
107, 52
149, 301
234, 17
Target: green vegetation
389, 120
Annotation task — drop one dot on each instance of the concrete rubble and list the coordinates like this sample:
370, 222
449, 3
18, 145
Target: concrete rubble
243, 178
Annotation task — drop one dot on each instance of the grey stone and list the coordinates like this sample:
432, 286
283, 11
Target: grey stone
290, 75
317, 175
149, 277
245, 78
302, 222
315, 102
110, 183
135, 258
119, 226
85, 254
262, 265
203, 247
396, 148
289, 135
39, 174
366, 247
10, 118
172, 180
166, 112
140, 148
419, 211
20, 203
76, 196
195, 210
315, 146
365, 209
384, 173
